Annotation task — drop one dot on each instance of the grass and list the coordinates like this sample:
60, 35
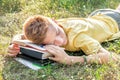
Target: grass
11, 21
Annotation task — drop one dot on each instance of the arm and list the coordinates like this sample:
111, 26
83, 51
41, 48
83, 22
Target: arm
91, 47
103, 56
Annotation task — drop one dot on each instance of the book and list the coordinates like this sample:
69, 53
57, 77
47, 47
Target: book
33, 63
33, 50
32, 55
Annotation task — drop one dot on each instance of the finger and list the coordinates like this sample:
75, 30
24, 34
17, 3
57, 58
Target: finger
11, 55
13, 51
13, 47
52, 58
52, 47
56, 47
10, 47
16, 46
50, 50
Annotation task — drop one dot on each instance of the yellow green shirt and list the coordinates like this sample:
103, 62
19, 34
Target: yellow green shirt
86, 34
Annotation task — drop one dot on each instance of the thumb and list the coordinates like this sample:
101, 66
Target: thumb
52, 58
16, 46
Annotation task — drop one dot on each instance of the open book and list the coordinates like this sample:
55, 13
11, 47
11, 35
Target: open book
33, 50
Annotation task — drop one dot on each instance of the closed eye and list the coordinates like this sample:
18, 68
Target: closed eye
58, 32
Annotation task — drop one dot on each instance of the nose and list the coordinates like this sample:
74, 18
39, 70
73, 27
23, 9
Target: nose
58, 41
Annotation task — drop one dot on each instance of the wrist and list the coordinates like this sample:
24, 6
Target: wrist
74, 59
68, 60
85, 59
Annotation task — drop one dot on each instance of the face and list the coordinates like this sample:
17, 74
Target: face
55, 35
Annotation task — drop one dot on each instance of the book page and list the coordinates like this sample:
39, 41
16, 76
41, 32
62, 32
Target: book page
28, 63
29, 44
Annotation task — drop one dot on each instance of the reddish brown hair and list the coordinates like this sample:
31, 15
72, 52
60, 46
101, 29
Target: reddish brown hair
35, 28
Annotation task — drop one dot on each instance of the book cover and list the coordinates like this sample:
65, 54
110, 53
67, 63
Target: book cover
33, 63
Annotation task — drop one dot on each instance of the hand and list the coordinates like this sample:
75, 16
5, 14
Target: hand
13, 50
58, 53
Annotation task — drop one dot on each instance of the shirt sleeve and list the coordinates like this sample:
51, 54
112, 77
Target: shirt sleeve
87, 44
114, 36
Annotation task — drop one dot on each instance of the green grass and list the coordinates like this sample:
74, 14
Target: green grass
14, 12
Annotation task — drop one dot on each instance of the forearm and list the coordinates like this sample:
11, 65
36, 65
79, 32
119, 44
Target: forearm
102, 57
97, 58
89, 59
74, 59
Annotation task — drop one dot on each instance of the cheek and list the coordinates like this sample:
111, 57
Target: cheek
58, 41
50, 37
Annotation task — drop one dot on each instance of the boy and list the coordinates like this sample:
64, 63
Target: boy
74, 34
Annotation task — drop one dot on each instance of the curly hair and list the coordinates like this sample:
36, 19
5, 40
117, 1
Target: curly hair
35, 28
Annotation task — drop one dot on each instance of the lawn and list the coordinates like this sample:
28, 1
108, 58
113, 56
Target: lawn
12, 15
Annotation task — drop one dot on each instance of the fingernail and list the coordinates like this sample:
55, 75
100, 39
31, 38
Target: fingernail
49, 57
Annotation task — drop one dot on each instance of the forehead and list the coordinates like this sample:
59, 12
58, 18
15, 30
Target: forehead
51, 29
50, 34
